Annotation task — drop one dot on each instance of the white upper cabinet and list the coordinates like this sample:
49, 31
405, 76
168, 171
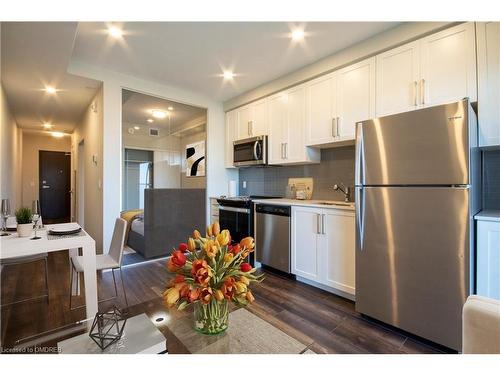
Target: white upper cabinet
398, 73
355, 97
320, 110
448, 66
287, 116
253, 119
488, 57
231, 128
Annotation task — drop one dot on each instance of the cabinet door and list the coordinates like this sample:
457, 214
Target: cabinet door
320, 109
488, 259
259, 121
305, 231
338, 250
355, 97
448, 66
488, 57
244, 122
278, 119
231, 128
295, 147
398, 73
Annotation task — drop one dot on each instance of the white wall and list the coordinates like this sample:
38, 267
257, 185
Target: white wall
113, 83
90, 130
33, 142
10, 155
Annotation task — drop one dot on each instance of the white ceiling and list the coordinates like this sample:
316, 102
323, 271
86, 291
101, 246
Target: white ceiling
193, 55
136, 109
36, 54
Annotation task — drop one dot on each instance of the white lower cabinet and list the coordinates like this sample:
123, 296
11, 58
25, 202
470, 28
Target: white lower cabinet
323, 248
488, 258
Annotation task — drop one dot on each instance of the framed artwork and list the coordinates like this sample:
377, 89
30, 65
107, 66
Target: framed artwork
195, 159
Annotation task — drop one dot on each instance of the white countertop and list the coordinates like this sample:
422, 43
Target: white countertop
338, 205
488, 215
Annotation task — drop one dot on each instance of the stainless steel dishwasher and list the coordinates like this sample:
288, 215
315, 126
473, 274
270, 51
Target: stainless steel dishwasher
272, 229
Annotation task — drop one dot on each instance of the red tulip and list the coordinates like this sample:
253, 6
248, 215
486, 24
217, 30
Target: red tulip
245, 267
178, 258
235, 249
179, 279
183, 247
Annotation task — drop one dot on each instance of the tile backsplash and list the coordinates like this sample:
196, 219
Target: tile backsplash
337, 165
491, 179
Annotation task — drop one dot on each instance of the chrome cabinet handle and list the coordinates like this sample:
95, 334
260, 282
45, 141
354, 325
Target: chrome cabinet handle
333, 126
282, 154
338, 125
415, 89
422, 89
323, 224
318, 226
250, 125
286, 150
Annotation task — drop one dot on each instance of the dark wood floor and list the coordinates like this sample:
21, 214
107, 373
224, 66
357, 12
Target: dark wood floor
324, 322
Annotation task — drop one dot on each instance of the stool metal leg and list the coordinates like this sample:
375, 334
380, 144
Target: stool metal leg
123, 287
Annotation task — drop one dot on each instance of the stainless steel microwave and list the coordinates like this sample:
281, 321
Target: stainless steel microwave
250, 151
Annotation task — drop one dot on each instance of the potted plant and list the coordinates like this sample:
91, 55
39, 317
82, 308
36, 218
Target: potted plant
211, 272
24, 222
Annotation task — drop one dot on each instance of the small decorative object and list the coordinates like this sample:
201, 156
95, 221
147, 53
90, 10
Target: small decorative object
35, 217
211, 272
5, 211
107, 327
24, 223
195, 159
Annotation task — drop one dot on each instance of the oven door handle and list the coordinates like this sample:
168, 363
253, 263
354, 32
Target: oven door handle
235, 209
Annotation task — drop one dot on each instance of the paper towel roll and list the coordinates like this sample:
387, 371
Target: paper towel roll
232, 188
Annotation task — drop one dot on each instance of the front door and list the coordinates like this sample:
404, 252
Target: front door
55, 186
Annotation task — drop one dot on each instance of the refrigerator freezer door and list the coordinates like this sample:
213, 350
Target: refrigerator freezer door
412, 259
429, 146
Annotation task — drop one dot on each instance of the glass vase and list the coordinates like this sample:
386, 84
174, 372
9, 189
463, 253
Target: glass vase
212, 318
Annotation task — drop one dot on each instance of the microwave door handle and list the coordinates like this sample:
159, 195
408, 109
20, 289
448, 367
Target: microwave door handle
257, 150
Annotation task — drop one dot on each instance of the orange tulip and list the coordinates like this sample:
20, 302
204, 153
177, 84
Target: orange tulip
249, 296
209, 231
200, 272
247, 243
206, 295
191, 245
244, 280
223, 237
196, 234
228, 288
218, 295
193, 295
171, 267
215, 228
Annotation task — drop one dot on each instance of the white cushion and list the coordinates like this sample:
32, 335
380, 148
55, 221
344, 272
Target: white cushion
103, 262
481, 326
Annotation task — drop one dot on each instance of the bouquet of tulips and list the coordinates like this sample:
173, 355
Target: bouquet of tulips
210, 272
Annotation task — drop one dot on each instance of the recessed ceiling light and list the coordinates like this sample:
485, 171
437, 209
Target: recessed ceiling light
115, 32
150, 120
228, 75
57, 134
136, 127
50, 90
297, 35
158, 113
170, 108
46, 125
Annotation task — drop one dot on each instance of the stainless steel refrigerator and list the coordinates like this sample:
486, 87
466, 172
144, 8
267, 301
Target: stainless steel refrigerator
417, 189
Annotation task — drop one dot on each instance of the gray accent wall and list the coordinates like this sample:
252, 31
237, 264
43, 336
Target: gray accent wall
337, 165
491, 179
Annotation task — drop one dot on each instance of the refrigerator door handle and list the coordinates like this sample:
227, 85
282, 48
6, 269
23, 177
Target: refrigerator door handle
359, 162
360, 213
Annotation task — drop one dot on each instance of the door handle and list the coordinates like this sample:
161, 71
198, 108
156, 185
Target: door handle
359, 159
422, 89
45, 186
323, 224
415, 89
318, 224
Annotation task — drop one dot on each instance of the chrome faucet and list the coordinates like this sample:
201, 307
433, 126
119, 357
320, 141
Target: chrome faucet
343, 189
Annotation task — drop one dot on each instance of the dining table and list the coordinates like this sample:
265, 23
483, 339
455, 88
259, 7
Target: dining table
13, 246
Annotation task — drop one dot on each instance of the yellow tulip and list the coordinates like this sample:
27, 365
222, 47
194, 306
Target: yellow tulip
209, 231
228, 258
171, 296
196, 234
223, 237
218, 295
215, 228
244, 280
240, 287
249, 296
212, 251
191, 245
